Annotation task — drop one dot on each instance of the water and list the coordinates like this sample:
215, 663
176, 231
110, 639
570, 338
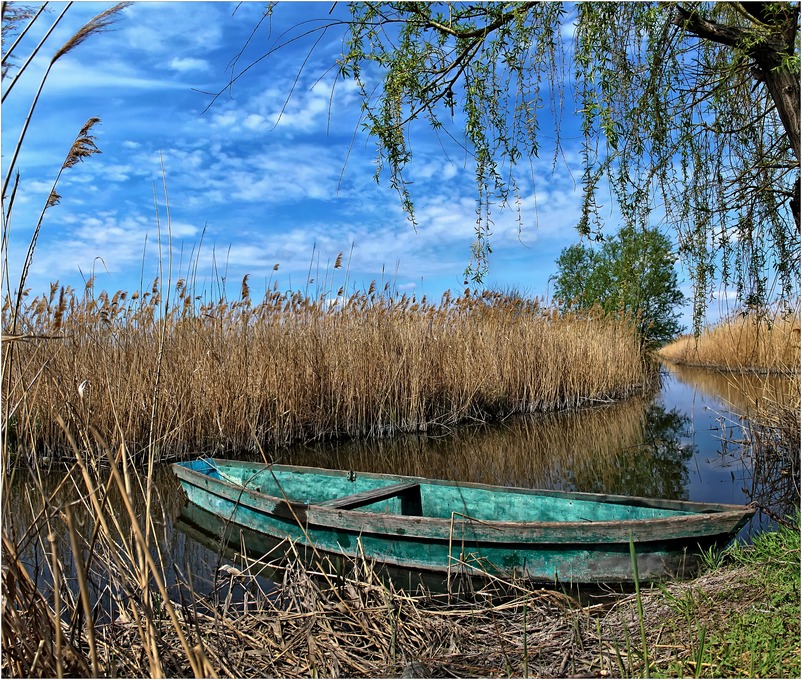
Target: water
680, 443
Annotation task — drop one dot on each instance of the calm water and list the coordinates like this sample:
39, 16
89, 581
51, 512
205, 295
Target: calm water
679, 444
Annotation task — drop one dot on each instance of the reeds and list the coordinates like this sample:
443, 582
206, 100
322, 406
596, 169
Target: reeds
293, 368
756, 358
751, 342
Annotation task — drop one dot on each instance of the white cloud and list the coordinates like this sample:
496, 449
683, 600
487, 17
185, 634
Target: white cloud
174, 27
100, 76
184, 64
227, 119
255, 122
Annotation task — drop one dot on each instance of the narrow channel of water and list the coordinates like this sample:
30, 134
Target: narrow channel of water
679, 444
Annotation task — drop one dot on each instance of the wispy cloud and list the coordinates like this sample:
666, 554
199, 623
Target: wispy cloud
174, 28
183, 64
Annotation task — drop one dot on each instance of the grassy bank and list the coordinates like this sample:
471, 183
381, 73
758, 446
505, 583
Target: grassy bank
762, 343
739, 619
175, 375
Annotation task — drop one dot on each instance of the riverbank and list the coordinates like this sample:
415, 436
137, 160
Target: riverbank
168, 375
739, 619
742, 343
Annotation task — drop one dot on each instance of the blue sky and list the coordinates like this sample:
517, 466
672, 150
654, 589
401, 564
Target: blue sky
250, 187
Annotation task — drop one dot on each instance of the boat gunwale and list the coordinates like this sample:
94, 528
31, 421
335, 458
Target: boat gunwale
694, 507
390, 524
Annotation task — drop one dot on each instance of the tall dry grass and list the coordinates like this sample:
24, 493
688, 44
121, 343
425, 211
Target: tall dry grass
763, 343
190, 375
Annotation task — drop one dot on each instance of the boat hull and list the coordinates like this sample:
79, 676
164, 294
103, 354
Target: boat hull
667, 536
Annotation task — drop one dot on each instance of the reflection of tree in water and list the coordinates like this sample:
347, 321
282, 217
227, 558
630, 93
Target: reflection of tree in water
655, 468
631, 448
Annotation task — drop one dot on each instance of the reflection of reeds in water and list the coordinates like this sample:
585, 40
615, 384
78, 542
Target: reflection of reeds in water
766, 431
294, 368
746, 393
605, 450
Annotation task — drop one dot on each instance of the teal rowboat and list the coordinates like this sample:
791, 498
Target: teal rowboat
434, 525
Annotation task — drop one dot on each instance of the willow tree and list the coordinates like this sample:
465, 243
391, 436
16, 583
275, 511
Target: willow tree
688, 108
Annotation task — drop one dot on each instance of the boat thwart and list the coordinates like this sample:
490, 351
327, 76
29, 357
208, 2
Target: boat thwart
435, 525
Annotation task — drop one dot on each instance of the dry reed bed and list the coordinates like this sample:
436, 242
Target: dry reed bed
186, 376
743, 343
362, 627
310, 626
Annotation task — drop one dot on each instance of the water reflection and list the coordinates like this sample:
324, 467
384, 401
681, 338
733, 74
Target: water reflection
744, 456
632, 448
742, 393
669, 445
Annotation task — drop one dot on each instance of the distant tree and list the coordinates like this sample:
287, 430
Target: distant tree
690, 106
576, 282
632, 275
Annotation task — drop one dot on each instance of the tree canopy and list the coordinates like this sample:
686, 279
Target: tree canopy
689, 114
631, 275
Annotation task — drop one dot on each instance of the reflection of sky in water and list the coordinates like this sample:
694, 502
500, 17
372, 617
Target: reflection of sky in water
670, 446
716, 471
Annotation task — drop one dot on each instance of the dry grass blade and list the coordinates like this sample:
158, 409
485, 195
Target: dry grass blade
33, 52
29, 626
151, 565
86, 603
12, 15
82, 147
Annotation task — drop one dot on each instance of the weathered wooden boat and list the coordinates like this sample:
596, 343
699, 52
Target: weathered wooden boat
436, 525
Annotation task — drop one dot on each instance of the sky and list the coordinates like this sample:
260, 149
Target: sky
255, 178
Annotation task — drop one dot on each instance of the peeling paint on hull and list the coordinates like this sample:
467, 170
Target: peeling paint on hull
545, 535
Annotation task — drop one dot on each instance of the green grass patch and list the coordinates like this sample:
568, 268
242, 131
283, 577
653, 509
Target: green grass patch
749, 627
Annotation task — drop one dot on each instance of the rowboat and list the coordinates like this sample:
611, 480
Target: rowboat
436, 525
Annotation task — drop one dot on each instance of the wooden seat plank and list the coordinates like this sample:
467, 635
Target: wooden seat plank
357, 500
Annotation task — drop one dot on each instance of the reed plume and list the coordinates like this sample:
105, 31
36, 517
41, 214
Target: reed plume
84, 145
99, 23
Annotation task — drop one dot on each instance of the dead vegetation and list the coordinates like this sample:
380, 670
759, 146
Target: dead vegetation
322, 622
766, 342
187, 376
